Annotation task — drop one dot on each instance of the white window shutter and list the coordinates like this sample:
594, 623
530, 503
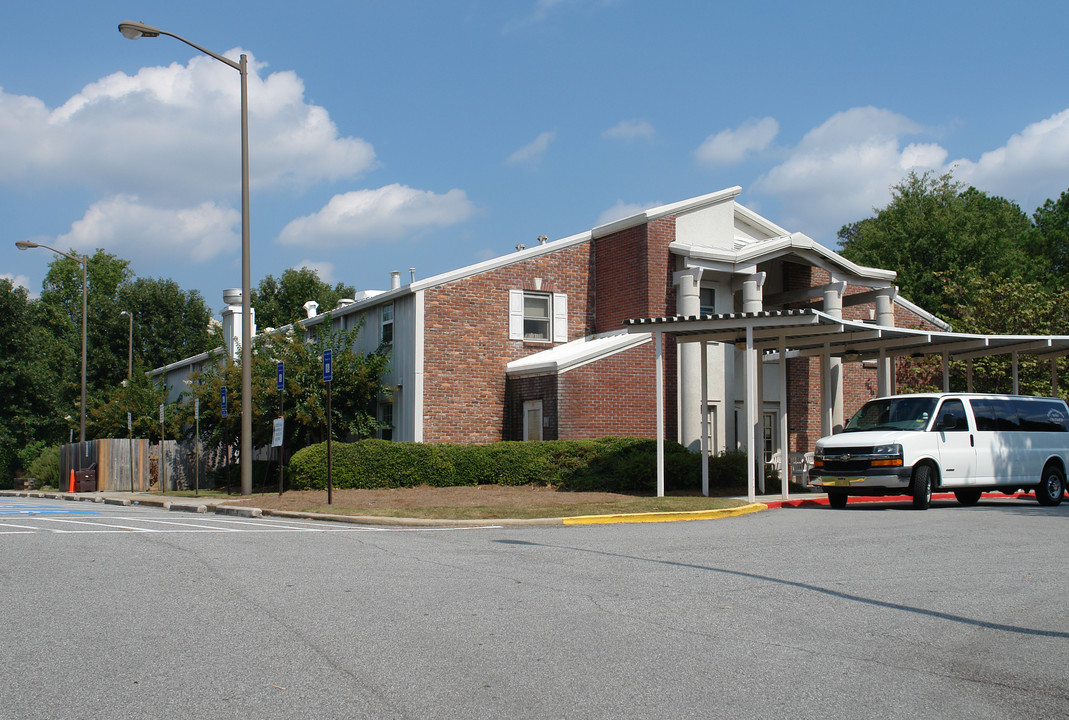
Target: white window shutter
560, 317
515, 314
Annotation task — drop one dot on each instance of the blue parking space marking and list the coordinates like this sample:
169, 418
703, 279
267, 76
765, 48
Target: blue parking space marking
23, 509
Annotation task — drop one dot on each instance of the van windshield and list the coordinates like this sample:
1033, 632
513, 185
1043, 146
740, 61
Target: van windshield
904, 413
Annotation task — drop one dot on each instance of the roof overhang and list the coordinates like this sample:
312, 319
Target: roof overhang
807, 332
576, 353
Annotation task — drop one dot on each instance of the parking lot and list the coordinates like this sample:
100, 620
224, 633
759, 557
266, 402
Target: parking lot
876, 611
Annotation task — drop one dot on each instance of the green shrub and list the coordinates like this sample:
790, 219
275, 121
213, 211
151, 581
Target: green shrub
45, 467
610, 464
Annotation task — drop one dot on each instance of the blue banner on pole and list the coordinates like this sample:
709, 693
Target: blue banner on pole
281, 374
222, 399
328, 368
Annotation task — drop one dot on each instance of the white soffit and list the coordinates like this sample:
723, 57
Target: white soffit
576, 353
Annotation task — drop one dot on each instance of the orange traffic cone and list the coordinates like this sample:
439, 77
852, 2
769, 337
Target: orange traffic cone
72, 481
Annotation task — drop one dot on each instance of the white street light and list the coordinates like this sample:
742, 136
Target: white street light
133, 31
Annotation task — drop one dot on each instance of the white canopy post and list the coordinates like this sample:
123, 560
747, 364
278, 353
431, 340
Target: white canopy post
1016, 379
946, 372
659, 380
751, 415
784, 440
705, 417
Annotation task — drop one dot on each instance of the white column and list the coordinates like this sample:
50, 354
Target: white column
658, 375
752, 293
688, 302
946, 372
833, 306
1016, 379
751, 421
784, 440
705, 418
885, 315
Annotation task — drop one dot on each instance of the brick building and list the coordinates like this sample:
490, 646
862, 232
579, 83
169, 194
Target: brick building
532, 345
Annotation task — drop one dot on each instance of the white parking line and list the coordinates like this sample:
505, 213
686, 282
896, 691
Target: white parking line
96, 524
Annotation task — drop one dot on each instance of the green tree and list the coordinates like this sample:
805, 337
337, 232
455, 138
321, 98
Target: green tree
356, 387
933, 224
1052, 239
281, 302
31, 402
170, 323
141, 396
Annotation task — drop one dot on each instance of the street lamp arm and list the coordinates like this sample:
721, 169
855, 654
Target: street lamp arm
135, 30
26, 244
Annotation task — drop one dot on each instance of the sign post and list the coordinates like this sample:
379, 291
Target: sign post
280, 424
196, 475
328, 375
130, 433
226, 445
163, 454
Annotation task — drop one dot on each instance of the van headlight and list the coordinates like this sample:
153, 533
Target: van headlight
887, 455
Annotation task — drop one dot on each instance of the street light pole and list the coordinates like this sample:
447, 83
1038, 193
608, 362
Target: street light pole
130, 346
26, 245
133, 31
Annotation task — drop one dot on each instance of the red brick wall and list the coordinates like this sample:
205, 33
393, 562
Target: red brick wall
466, 341
614, 396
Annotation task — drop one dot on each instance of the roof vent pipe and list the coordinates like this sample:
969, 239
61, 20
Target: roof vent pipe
395, 279
412, 274
542, 239
520, 246
311, 308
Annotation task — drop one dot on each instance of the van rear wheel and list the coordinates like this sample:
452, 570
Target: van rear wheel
967, 496
922, 487
1052, 486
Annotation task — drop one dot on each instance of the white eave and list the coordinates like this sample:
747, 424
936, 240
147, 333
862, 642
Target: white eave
576, 353
749, 255
665, 210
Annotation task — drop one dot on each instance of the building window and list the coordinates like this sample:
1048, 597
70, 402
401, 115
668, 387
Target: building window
532, 420
386, 418
538, 316
387, 323
768, 436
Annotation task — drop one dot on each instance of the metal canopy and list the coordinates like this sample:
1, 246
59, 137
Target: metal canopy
808, 332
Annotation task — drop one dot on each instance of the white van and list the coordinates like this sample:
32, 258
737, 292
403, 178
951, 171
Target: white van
967, 443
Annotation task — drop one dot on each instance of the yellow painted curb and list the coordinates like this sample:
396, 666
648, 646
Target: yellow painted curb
664, 516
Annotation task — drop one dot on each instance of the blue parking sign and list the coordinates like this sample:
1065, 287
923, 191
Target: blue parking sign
328, 368
222, 399
281, 374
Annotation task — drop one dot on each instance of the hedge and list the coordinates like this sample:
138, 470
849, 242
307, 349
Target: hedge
610, 464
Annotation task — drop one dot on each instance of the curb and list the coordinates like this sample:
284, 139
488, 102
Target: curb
664, 516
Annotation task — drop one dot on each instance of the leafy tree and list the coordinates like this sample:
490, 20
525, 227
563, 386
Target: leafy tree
31, 401
356, 386
170, 323
934, 225
141, 396
281, 302
1052, 239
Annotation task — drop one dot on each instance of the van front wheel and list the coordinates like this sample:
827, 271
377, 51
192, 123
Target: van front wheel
1052, 487
922, 487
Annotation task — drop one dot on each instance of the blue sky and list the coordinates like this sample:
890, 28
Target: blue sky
390, 135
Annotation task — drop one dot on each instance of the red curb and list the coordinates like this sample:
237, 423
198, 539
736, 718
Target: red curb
817, 501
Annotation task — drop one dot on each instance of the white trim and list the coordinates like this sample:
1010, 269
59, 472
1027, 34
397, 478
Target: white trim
418, 347
515, 314
559, 331
575, 354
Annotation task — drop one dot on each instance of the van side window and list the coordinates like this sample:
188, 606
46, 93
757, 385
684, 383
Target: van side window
995, 414
952, 417
1041, 416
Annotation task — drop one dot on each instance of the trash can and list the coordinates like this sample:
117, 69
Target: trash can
86, 480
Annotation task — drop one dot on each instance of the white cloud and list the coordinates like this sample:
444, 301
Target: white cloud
532, 153
843, 168
154, 235
729, 147
388, 213
323, 268
1030, 167
174, 132
630, 130
622, 209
